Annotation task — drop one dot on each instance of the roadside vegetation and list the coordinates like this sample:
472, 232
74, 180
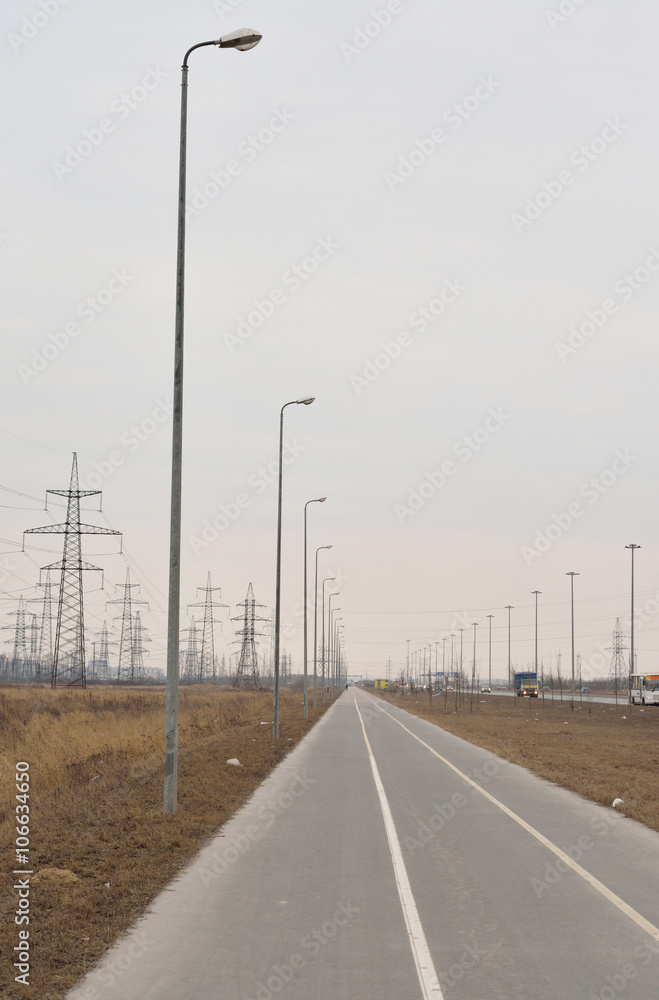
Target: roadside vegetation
100, 846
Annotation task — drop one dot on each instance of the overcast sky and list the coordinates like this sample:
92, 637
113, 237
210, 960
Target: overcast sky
438, 219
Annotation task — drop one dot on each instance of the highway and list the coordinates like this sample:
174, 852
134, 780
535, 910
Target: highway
386, 858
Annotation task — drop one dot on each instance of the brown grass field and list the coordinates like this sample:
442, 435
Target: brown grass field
597, 750
100, 846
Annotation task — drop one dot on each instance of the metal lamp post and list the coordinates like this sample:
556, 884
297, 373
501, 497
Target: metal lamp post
306, 697
242, 40
330, 674
572, 576
632, 665
327, 579
509, 607
294, 402
315, 627
489, 656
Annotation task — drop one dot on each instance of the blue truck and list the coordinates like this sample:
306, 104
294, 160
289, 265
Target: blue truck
526, 685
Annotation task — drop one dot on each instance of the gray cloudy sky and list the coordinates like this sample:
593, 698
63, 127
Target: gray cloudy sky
439, 219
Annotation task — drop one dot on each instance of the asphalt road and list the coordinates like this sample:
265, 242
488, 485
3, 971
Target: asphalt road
386, 859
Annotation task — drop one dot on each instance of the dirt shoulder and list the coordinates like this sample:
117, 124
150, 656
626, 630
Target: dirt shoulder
601, 752
100, 846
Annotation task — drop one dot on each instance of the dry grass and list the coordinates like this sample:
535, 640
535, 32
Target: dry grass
101, 846
601, 752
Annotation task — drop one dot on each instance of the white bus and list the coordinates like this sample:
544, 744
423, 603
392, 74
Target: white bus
645, 689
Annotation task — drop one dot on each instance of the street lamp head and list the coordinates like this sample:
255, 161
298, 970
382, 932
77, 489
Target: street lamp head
242, 39
309, 399
322, 500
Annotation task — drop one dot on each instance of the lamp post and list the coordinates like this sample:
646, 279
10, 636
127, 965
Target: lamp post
306, 698
242, 40
326, 580
294, 402
336, 649
509, 607
315, 627
473, 670
632, 665
330, 665
536, 592
489, 656
407, 676
572, 576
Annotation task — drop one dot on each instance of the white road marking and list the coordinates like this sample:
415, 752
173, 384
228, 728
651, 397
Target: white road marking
596, 884
424, 964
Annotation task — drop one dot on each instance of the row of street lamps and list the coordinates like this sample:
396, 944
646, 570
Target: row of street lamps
509, 608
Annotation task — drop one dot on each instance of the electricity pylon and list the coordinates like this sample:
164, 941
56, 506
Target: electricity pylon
191, 668
126, 668
207, 656
617, 671
44, 660
247, 671
138, 649
69, 657
19, 655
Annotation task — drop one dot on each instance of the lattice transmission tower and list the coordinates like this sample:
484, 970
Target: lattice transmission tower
247, 671
618, 670
191, 655
69, 656
206, 666
18, 659
102, 658
139, 637
44, 663
127, 668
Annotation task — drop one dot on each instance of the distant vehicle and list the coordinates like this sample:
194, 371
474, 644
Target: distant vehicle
585, 690
645, 689
485, 690
526, 685
546, 688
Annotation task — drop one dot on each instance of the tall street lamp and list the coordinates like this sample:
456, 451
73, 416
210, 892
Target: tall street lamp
509, 607
572, 576
336, 647
473, 670
242, 40
306, 699
315, 627
632, 665
330, 675
323, 657
536, 592
489, 656
294, 402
